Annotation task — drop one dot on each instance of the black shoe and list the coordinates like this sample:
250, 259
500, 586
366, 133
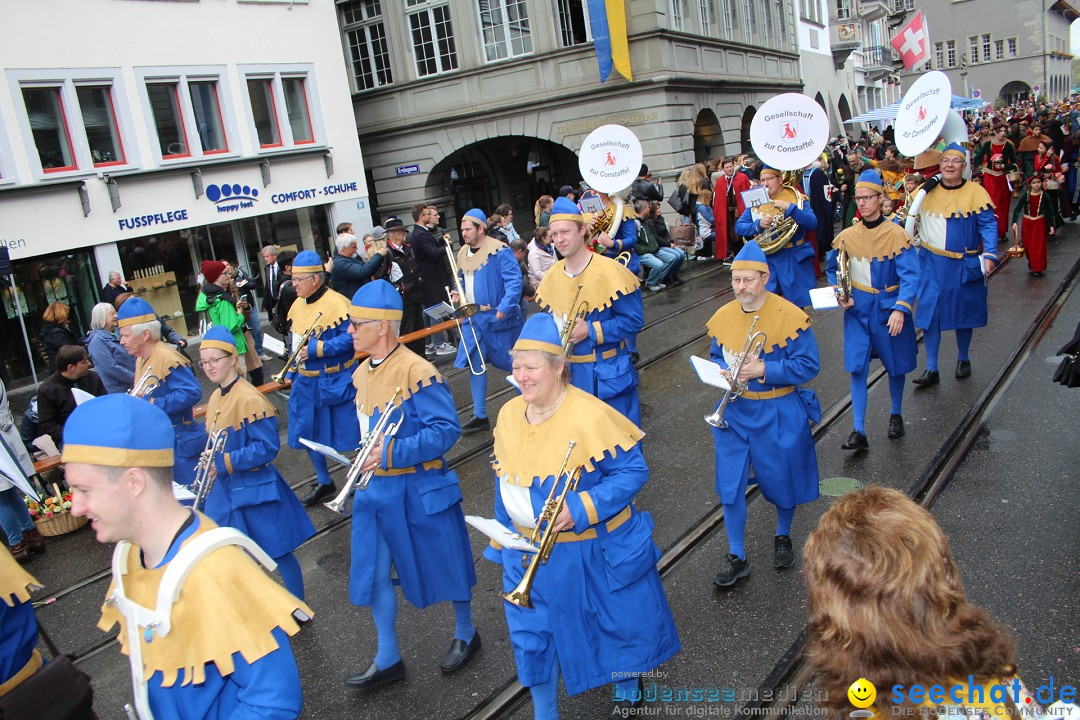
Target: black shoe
855, 441
734, 569
783, 555
963, 369
1036, 274
318, 493
896, 426
373, 677
635, 358
475, 425
459, 654
620, 708
928, 378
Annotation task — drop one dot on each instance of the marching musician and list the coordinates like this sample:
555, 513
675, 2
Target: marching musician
248, 492
409, 515
610, 298
221, 648
958, 232
599, 611
19, 657
791, 268
177, 390
625, 241
491, 278
767, 426
320, 402
884, 269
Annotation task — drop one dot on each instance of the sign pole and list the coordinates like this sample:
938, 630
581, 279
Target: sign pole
22, 322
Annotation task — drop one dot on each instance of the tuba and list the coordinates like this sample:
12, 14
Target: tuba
609, 162
387, 426
781, 232
751, 347
293, 363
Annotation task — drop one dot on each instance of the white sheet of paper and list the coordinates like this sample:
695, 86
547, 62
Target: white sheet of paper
755, 196
440, 312
824, 298
510, 379
272, 345
80, 396
326, 450
498, 532
10, 468
45, 444
181, 493
592, 204
709, 372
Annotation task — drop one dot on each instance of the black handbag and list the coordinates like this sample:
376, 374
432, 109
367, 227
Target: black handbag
57, 691
1068, 372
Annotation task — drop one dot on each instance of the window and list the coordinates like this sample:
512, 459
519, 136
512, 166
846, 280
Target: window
678, 17
264, 110
950, 53
843, 9
49, 126
766, 24
705, 16
728, 9
986, 48
99, 121
939, 55
433, 41
296, 105
505, 28
749, 22
973, 49
368, 51
168, 120
1012, 46
207, 110
573, 22
999, 49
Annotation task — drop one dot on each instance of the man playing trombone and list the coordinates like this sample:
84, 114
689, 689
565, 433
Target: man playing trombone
488, 274
766, 426
320, 402
409, 514
165, 378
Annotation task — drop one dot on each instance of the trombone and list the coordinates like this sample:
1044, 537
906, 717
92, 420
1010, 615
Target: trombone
389, 422
215, 443
545, 539
580, 310
464, 310
293, 363
147, 384
752, 346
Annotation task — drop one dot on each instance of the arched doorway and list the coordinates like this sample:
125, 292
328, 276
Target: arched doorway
844, 110
708, 138
1015, 91
744, 134
820, 100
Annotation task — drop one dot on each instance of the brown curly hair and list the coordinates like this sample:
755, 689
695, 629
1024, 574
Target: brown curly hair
887, 602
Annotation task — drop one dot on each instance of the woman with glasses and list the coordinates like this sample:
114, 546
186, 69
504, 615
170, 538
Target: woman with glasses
249, 493
115, 366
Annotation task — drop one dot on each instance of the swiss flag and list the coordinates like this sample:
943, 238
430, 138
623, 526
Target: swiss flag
913, 41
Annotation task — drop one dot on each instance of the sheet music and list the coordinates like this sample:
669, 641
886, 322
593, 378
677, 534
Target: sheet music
327, 451
499, 533
440, 312
592, 204
510, 379
824, 298
755, 196
709, 372
80, 396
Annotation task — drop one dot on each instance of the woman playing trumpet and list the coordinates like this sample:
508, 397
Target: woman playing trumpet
598, 600
249, 493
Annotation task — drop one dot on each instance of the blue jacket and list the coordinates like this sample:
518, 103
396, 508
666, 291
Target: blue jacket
497, 284
114, 365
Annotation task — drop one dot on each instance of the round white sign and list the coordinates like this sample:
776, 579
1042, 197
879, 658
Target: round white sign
789, 131
610, 158
922, 113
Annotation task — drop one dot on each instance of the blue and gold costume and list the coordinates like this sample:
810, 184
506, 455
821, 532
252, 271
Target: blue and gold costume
791, 268
956, 226
600, 364
600, 614
19, 658
492, 279
177, 392
884, 267
250, 494
409, 516
320, 401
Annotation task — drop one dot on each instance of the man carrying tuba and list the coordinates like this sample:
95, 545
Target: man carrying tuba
780, 230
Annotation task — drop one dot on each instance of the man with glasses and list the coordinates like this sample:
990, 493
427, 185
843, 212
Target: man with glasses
958, 236
997, 158
884, 269
321, 399
767, 428
350, 271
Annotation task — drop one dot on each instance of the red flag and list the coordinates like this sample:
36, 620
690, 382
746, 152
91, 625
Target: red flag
912, 43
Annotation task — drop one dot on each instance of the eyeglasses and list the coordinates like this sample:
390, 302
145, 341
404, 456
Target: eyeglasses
358, 323
297, 281
864, 198
212, 362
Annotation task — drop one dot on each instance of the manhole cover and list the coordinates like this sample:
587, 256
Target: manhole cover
837, 486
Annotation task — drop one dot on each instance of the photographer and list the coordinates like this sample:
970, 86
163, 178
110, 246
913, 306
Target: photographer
223, 307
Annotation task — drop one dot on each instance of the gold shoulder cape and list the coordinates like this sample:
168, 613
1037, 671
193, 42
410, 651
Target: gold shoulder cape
15, 582
885, 241
402, 369
780, 320
525, 452
163, 358
334, 308
227, 605
243, 404
969, 198
603, 281
489, 247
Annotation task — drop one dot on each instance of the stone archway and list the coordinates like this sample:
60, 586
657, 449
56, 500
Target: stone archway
1014, 91
844, 109
708, 137
744, 134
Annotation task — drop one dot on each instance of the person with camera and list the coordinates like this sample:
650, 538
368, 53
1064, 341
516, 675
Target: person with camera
224, 309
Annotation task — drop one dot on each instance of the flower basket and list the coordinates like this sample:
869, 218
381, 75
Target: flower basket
52, 515
60, 524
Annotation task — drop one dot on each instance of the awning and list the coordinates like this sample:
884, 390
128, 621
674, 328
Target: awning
889, 112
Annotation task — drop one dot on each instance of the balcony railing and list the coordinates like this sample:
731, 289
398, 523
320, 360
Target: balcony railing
877, 56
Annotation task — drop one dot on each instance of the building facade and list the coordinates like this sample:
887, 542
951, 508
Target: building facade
198, 136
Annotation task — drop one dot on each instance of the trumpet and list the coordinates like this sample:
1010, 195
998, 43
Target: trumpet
843, 276
387, 426
545, 539
215, 443
293, 363
147, 384
580, 310
464, 310
752, 346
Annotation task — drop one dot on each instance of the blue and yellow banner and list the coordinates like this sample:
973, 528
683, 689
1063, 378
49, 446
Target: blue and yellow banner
607, 19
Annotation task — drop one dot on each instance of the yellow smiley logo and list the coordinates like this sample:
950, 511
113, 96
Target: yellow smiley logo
862, 693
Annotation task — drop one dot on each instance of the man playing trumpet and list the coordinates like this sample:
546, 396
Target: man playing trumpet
409, 515
791, 268
766, 427
883, 267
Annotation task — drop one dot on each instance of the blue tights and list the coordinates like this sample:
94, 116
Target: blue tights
478, 385
321, 472
859, 396
289, 567
932, 340
735, 521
